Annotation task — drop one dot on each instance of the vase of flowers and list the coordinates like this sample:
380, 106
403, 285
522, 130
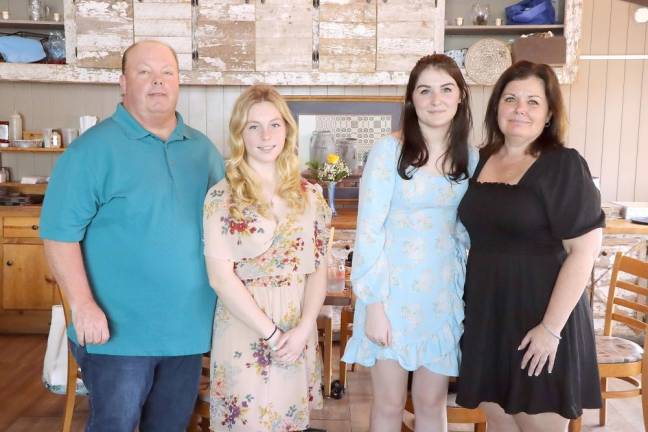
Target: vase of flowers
331, 172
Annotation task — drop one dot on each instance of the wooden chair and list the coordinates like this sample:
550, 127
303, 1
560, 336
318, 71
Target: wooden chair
346, 331
200, 418
325, 336
620, 358
71, 389
455, 413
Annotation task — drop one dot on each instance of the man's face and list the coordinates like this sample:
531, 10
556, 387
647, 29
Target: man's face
150, 83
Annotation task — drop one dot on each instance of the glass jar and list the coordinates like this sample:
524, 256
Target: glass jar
480, 13
35, 9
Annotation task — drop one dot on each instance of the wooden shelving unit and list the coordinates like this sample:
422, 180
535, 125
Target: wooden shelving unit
31, 150
28, 24
37, 189
502, 29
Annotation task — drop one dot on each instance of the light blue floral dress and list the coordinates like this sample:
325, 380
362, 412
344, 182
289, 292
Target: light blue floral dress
410, 254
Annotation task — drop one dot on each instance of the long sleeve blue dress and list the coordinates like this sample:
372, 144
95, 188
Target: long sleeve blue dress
410, 254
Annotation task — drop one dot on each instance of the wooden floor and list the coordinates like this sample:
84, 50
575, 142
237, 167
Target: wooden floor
25, 406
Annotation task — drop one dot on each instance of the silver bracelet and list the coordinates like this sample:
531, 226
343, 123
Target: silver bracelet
557, 336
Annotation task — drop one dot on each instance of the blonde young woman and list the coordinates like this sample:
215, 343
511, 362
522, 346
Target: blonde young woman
265, 249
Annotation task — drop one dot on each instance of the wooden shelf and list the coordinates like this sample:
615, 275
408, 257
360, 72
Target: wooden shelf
503, 29
38, 189
31, 150
28, 24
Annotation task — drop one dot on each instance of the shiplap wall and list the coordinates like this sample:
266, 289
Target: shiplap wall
607, 104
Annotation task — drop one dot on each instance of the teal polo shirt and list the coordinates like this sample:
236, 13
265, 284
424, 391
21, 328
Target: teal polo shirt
134, 202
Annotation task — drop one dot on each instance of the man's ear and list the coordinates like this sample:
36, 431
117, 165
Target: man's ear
122, 84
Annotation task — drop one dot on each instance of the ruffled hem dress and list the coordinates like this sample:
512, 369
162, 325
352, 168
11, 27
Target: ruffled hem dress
250, 390
409, 254
516, 234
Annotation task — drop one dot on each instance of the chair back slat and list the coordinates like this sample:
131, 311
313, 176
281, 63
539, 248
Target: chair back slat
638, 307
634, 267
629, 286
629, 321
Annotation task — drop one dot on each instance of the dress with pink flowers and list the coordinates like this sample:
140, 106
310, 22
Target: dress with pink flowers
250, 391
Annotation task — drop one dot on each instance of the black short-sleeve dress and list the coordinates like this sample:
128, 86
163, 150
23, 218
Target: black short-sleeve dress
516, 234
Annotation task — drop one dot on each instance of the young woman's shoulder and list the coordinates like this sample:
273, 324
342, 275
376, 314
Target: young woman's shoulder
218, 196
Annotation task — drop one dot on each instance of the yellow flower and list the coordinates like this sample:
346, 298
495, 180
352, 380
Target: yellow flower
332, 158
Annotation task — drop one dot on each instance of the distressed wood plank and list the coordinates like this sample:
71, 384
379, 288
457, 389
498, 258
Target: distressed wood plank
284, 35
347, 36
168, 22
158, 10
104, 31
407, 30
225, 34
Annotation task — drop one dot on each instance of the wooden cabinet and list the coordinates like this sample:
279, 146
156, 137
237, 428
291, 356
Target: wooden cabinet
27, 283
27, 287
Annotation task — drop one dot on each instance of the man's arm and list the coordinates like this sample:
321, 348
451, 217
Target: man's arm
66, 262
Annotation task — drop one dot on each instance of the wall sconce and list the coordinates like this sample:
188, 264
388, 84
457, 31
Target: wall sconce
641, 15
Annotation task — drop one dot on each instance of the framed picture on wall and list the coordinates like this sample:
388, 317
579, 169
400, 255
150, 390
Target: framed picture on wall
364, 118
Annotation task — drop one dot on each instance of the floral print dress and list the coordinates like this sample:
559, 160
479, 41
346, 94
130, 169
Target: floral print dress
410, 254
250, 390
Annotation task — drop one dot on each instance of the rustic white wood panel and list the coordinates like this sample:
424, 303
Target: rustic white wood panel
284, 35
168, 21
407, 30
225, 35
347, 36
104, 31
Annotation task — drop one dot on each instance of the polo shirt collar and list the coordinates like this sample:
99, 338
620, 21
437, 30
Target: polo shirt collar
134, 130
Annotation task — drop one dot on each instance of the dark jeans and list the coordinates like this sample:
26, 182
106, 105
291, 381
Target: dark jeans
158, 393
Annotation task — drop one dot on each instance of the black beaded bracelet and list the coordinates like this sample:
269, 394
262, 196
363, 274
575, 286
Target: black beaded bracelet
271, 334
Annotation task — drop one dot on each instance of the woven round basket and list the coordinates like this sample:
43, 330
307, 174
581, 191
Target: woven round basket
486, 59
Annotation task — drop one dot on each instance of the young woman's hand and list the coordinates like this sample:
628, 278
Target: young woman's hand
541, 346
290, 345
377, 325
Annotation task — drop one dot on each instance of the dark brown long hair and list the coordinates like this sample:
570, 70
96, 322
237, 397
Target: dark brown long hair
414, 151
553, 135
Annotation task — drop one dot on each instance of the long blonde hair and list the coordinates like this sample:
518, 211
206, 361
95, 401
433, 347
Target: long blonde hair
245, 188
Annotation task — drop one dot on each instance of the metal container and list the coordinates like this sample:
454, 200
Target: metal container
347, 149
321, 144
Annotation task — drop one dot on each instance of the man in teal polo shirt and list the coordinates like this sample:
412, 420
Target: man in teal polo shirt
121, 225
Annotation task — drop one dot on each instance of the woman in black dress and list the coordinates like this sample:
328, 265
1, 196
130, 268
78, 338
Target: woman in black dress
535, 223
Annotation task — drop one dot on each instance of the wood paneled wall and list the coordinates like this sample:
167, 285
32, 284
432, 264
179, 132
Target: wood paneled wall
607, 104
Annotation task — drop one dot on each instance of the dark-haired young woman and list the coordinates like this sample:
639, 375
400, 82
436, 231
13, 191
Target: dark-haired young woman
409, 256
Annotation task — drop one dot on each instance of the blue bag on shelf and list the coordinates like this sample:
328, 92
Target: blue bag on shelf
16, 49
531, 12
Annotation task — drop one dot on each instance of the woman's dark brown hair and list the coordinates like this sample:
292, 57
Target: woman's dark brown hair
552, 135
414, 151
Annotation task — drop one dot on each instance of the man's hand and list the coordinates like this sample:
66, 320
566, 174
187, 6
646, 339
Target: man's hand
90, 323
